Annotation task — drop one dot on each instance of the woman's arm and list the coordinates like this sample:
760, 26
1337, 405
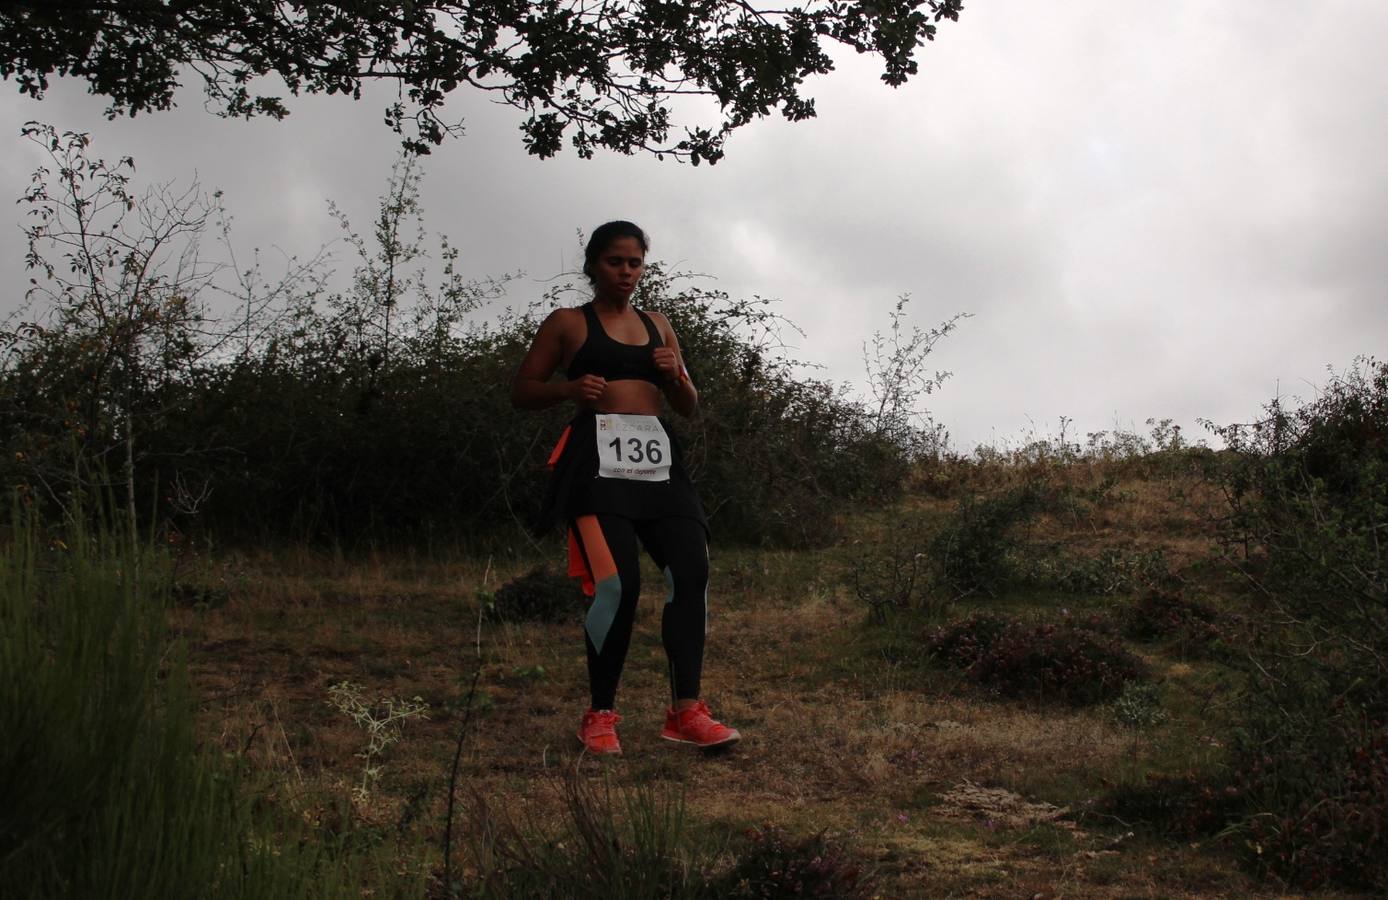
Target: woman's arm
679, 390
532, 389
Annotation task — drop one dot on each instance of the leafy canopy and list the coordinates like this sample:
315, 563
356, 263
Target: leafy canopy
603, 72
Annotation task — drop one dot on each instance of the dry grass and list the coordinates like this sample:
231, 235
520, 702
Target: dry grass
945, 791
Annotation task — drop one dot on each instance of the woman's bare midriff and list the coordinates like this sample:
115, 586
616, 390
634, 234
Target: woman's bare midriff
632, 396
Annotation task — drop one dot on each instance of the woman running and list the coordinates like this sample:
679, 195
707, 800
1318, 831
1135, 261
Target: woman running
618, 479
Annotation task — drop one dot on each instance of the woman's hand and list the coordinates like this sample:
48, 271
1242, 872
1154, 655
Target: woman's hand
586, 389
667, 363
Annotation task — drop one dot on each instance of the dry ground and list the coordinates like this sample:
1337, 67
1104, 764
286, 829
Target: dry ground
944, 791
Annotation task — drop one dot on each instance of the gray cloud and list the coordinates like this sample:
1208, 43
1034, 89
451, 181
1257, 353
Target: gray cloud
1152, 209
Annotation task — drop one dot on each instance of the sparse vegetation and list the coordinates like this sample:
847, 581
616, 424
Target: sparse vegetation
1112, 571
884, 739
383, 722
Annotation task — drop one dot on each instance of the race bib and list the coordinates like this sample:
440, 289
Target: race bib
632, 447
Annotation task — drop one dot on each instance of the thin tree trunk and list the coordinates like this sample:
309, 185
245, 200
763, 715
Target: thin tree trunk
130, 485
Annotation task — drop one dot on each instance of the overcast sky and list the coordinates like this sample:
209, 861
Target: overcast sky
1150, 209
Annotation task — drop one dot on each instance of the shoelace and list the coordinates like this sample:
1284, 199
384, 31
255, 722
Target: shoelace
700, 709
600, 723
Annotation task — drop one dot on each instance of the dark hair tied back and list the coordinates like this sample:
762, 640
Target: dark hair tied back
602, 238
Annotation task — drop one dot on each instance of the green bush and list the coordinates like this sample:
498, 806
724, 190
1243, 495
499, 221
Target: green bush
971, 552
1061, 661
380, 414
1333, 833
1138, 706
1309, 496
316, 435
311, 440
1308, 493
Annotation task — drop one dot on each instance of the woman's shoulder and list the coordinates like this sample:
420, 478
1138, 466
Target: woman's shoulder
567, 312
661, 322
562, 328
563, 318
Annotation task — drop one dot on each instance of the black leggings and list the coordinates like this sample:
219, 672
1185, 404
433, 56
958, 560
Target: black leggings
609, 547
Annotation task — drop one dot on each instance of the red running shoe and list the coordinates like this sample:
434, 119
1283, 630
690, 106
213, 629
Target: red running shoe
598, 731
695, 725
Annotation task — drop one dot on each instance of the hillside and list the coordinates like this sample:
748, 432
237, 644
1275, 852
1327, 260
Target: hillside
932, 783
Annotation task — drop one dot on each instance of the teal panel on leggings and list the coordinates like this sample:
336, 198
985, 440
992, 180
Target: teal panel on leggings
670, 597
706, 557
607, 597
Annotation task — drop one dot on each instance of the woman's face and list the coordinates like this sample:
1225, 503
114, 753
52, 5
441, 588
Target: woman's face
617, 270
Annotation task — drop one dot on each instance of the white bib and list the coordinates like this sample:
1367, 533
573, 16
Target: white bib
632, 447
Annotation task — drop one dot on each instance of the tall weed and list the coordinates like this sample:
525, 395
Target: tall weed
107, 791
610, 843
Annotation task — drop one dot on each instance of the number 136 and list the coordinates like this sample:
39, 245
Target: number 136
636, 452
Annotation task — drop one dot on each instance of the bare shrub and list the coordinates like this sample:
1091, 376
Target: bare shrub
775, 865
539, 595
1167, 615
892, 572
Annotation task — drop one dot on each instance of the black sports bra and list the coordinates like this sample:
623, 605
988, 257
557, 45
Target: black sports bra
613, 360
